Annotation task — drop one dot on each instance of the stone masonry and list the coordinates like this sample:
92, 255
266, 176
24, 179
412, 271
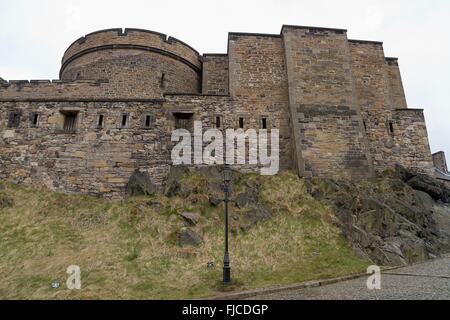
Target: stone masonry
339, 105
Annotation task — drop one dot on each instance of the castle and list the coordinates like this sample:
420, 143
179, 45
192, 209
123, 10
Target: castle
339, 105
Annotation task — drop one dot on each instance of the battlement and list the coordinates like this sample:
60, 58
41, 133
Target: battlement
27, 90
130, 38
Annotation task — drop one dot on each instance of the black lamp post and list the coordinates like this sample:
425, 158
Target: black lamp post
226, 257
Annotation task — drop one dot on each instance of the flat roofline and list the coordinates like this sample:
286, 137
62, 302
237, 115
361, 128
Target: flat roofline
244, 34
215, 54
365, 41
310, 27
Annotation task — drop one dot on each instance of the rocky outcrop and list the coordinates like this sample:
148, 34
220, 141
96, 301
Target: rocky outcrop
140, 184
188, 237
392, 220
6, 202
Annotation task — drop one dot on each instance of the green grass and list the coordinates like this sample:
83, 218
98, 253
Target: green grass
127, 249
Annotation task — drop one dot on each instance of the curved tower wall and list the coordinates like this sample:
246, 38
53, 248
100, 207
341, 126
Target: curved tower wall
134, 62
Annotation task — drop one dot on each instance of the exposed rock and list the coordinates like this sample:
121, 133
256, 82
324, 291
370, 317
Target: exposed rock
214, 201
436, 189
249, 197
140, 184
6, 202
254, 215
188, 237
387, 219
172, 185
190, 217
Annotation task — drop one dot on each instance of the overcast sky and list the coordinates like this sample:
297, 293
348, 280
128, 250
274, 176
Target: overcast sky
35, 34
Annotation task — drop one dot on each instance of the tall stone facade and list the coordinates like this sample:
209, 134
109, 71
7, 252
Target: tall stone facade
339, 105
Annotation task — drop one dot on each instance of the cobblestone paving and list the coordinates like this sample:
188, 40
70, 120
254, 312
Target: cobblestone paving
428, 281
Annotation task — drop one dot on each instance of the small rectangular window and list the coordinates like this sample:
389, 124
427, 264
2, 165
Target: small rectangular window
70, 121
100, 121
34, 119
365, 125
183, 120
124, 121
391, 128
263, 123
241, 123
218, 122
148, 121
14, 119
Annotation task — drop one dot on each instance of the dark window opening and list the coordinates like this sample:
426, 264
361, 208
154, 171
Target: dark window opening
183, 120
100, 121
218, 124
365, 125
163, 77
34, 119
263, 123
70, 120
391, 128
148, 121
124, 123
241, 123
14, 119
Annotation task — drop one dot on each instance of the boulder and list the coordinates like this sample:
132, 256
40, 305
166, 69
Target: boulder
254, 215
190, 217
188, 237
214, 201
6, 202
140, 184
436, 189
425, 199
172, 185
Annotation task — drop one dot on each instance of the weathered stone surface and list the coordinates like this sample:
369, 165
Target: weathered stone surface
188, 237
140, 184
191, 218
339, 106
172, 184
6, 202
254, 215
389, 222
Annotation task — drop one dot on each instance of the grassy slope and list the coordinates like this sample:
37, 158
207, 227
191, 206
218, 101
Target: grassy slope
126, 249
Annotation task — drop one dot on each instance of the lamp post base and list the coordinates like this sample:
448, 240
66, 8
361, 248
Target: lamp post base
226, 275
226, 270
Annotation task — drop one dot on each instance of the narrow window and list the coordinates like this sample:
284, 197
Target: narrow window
14, 120
148, 121
162, 83
391, 128
241, 123
263, 123
100, 121
124, 123
34, 119
365, 125
70, 121
218, 124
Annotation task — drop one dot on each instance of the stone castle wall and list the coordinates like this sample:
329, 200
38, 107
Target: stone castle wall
90, 159
339, 105
326, 120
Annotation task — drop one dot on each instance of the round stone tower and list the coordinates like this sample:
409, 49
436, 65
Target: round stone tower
135, 62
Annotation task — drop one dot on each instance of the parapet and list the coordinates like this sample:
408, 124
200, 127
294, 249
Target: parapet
133, 39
